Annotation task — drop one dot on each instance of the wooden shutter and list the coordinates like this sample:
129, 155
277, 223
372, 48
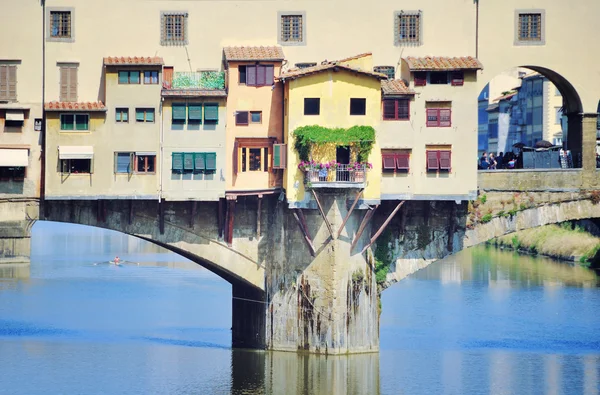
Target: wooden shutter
433, 117
420, 78
167, 77
458, 78
260, 75
445, 117
445, 160
211, 112
188, 161
388, 162
12, 82
72, 91
211, 161
270, 74
64, 84
251, 75
279, 156
241, 118
433, 163
403, 162
177, 162
195, 112
403, 109
389, 109
235, 157
178, 112
200, 161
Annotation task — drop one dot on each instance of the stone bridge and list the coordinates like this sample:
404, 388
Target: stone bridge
307, 279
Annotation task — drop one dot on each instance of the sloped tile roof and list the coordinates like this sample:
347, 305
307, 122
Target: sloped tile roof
194, 92
73, 106
133, 61
253, 53
362, 55
395, 87
442, 63
504, 97
301, 72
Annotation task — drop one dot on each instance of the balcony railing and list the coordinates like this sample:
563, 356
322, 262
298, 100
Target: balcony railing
196, 80
342, 176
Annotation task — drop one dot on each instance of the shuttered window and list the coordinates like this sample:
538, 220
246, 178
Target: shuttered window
396, 109
178, 110
177, 162
199, 161
257, 75
439, 117
251, 75
188, 161
433, 163
279, 156
68, 83
439, 160
196, 162
458, 78
241, 118
420, 78
393, 161
195, 113
211, 113
8, 82
211, 161
445, 160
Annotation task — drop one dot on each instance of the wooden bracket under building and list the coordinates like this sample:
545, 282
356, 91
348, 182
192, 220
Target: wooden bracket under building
368, 215
193, 210
452, 227
229, 219
161, 217
299, 215
383, 226
220, 217
323, 214
258, 213
349, 212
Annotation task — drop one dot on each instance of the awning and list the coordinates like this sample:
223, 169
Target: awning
75, 152
15, 115
145, 153
14, 157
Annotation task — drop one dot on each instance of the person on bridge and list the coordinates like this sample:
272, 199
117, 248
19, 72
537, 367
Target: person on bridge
483, 162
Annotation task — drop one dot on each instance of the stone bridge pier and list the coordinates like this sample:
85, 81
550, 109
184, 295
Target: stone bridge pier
17, 216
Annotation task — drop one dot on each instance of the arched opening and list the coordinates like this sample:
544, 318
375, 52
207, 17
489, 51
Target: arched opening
530, 113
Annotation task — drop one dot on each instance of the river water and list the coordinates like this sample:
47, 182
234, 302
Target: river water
481, 322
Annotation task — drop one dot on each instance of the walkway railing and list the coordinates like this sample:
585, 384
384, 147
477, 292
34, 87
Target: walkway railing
341, 174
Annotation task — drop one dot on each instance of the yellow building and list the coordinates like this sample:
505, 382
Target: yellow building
334, 108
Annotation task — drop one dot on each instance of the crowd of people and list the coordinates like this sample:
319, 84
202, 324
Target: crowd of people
501, 161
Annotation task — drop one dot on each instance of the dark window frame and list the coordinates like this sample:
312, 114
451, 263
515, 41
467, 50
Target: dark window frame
438, 123
397, 107
438, 78
358, 106
312, 106
120, 111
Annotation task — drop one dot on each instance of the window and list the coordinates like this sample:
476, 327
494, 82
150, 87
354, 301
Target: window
395, 161
68, 83
211, 113
291, 27
420, 78
60, 24
529, 27
178, 113
13, 121
438, 78
390, 71
407, 26
76, 166
74, 122
279, 156
241, 118
150, 77
129, 77
257, 75
312, 106
193, 162
122, 114
195, 112
12, 173
144, 115
396, 109
358, 106
255, 116
458, 78
439, 160
558, 114
138, 162
493, 128
439, 114
8, 82
174, 29
253, 157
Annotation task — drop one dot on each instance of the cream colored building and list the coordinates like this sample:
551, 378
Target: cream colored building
190, 36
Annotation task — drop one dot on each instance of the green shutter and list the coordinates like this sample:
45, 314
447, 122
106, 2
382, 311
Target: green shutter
199, 161
124, 116
134, 77
211, 161
195, 112
188, 161
139, 115
123, 77
178, 112
81, 122
150, 115
276, 155
211, 112
67, 121
177, 164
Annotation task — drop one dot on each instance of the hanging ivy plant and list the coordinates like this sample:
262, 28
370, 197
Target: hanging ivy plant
360, 138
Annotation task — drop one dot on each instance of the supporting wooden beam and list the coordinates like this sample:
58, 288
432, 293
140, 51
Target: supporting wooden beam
323, 214
225, 227
193, 210
350, 212
130, 212
258, 214
363, 225
161, 217
451, 227
231, 212
302, 224
382, 227
220, 217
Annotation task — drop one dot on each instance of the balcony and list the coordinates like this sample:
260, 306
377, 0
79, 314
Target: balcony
202, 80
337, 176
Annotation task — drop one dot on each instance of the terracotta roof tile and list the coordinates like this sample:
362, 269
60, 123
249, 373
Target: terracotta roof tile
362, 55
395, 87
504, 97
443, 63
71, 106
194, 92
253, 53
301, 72
133, 61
